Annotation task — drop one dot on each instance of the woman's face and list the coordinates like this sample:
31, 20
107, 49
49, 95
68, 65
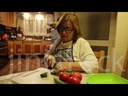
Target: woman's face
66, 31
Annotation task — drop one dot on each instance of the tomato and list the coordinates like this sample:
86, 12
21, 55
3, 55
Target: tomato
73, 80
78, 74
64, 76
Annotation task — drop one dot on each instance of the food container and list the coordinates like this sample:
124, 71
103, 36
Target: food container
106, 78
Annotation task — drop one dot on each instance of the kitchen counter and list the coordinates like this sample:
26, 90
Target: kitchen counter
33, 77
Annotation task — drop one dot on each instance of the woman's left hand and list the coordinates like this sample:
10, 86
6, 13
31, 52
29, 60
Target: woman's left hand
62, 66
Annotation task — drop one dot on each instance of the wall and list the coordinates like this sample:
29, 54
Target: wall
94, 25
58, 14
121, 43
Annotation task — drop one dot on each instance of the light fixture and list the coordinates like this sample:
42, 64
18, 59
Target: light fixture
39, 17
26, 15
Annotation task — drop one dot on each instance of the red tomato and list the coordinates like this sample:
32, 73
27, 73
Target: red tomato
78, 74
73, 80
64, 76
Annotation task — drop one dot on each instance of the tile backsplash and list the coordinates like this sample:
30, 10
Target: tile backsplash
35, 24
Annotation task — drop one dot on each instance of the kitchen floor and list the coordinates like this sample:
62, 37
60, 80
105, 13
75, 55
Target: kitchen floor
21, 64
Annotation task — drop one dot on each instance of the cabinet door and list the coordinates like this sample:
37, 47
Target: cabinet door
27, 47
10, 48
37, 50
3, 18
11, 19
17, 47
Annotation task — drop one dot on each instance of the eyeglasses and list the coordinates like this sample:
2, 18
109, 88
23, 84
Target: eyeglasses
67, 29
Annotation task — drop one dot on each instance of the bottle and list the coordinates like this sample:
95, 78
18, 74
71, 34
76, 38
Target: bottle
54, 35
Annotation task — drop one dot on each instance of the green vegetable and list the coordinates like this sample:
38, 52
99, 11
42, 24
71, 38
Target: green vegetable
43, 75
58, 81
68, 72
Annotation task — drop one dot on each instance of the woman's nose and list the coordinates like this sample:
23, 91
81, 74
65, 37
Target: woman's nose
64, 32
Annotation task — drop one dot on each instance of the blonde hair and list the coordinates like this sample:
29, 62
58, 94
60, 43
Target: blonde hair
74, 19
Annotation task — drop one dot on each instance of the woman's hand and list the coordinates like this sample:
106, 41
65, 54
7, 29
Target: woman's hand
63, 66
49, 61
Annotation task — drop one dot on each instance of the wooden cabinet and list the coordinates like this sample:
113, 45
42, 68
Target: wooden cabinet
27, 47
37, 47
32, 47
8, 19
44, 43
3, 18
11, 19
17, 47
10, 48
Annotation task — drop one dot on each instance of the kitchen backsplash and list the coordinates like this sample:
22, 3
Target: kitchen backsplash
34, 24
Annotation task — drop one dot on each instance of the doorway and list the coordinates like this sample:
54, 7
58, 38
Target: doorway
99, 29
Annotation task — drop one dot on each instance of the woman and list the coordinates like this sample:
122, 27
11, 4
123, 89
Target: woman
71, 52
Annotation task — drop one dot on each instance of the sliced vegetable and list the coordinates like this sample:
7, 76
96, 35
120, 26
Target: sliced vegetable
43, 75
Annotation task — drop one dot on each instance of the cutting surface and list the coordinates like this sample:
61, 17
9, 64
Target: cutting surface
33, 77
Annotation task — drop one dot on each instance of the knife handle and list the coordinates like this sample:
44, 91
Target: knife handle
49, 67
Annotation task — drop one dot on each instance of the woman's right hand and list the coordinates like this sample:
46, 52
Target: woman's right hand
49, 61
